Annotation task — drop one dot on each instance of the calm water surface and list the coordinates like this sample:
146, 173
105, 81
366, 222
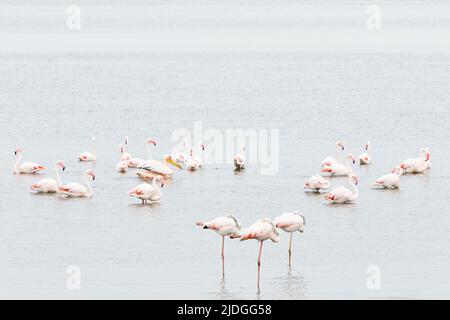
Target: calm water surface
51, 103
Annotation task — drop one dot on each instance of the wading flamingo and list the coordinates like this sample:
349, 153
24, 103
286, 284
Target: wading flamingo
122, 166
192, 163
342, 194
197, 158
126, 156
25, 167
49, 185
261, 230
239, 159
391, 180
339, 169
181, 156
417, 165
224, 227
329, 161
317, 183
364, 158
290, 222
75, 189
87, 155
148, 192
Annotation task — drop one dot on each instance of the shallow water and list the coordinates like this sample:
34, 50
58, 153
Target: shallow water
52, 102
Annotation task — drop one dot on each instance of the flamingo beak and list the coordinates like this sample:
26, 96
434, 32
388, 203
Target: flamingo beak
203, 147
172, 162
63, 168
15, 153
427, 157
152, 142
162, 184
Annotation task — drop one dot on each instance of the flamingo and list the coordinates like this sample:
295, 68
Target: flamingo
48, 185
329, 161
75, 189
342, 194
316, 183
122, 166
239, 159
192, 163
197, 158
428, 157
290, 222
223, 226
181, 156
88, 156
391, 180
261, 230
364, 158
339, 169
25, 167
417, 165
148, 192
126, 156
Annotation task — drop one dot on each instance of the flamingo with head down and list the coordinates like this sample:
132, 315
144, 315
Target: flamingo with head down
342, 194
339, 169
25, 167
290, 222
329, 161
417, 165
316, 183
261, 230
49, 185
224, 227
87, 155
391, 180
77, 190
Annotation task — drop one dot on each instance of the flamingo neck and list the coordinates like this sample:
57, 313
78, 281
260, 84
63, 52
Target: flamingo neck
58, 178
94, 153
158, 189
149, 152
355, 188
16, 165
88, 185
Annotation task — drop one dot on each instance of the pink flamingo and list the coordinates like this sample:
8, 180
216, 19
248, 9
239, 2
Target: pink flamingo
290, 222
48, 185
25, 167
339, 169
239, 159
87, 155
342, 194
261, 230
316, 183
75, 189
364, 158
223, 226
329, 161
391, 180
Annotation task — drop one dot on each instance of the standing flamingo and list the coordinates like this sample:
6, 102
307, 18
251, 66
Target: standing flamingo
75, 189
329, 161
87, 155
25, 167
290, 222
48, 185
391, 180
147, 192
364, 158
181, 156
339, 169
261, 230
223, 226
417, 165
342, 194
239, 159
192, 163
316, 183
122, 166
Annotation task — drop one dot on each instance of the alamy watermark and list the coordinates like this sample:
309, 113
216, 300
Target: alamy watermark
261, 145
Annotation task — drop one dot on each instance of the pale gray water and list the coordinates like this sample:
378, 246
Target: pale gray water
52, 101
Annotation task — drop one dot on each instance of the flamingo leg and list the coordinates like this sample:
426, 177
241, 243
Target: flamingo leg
290, 249
223, 258
259, 262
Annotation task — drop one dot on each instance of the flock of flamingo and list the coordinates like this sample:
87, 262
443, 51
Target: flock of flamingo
227, 226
